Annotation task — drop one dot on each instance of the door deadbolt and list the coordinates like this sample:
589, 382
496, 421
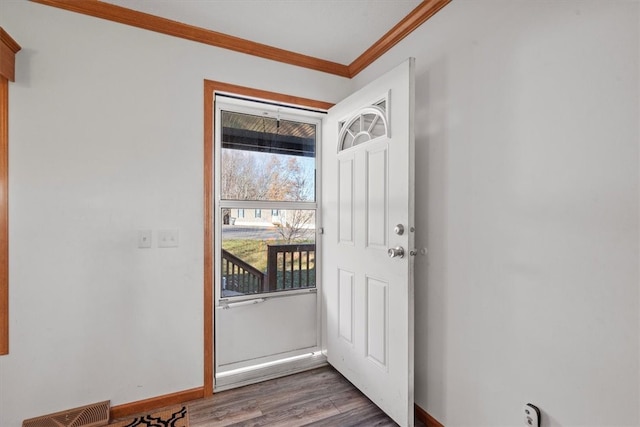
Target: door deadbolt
399, 229
397, 252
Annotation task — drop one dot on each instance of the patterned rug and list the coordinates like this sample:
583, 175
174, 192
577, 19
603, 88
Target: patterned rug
177, 416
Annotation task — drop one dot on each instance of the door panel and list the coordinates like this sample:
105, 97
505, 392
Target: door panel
281, 325
376, 209
367, 190
345, 306
377, 314
345, 199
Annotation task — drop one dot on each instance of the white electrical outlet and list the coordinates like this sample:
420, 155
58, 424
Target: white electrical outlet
168, 238
531, 415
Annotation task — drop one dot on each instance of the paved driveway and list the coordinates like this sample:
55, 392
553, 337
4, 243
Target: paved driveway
249, 232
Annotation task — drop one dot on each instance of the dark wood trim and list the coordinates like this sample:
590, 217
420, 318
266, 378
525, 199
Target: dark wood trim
8, 50
150, 22
4, 216
210, 89
426, 419
413, 20
266, 95
154, 403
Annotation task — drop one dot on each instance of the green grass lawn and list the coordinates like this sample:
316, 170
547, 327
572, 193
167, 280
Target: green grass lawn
253, 252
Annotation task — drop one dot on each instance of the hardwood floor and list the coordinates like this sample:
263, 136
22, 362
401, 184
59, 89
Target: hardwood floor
320, 397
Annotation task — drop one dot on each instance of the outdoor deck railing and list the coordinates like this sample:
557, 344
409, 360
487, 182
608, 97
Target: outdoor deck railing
290, 266
240, 276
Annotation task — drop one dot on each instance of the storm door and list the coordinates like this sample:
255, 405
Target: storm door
267, 255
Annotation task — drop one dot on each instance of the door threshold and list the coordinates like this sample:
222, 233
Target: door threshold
268, 371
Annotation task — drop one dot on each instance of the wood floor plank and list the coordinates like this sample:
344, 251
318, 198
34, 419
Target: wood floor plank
319, 397
312, 389
350, 400
224, 415
368, 416
294, 415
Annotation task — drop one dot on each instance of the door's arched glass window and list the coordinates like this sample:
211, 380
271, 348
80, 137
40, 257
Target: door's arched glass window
370, 123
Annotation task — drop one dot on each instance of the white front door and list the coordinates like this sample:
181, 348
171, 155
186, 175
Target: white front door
367, 194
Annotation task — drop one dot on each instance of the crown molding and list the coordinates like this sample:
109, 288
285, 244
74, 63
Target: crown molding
111, 12
169, 27
413, 20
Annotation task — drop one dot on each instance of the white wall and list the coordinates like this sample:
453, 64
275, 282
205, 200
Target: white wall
527, 197
106, 136
527, 147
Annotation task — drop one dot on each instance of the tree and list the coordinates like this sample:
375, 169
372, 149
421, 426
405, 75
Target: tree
295, 225
241, 176
248, 176
293, 184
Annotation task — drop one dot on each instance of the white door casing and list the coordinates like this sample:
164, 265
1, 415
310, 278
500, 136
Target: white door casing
368, 189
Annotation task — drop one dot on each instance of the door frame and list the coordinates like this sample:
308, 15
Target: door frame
212, 87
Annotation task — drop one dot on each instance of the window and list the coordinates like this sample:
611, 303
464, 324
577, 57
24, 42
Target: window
370, 123
267, 161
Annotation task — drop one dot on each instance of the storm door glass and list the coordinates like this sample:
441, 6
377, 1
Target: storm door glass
267, 205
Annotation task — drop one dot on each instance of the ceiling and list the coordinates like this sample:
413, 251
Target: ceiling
334, 30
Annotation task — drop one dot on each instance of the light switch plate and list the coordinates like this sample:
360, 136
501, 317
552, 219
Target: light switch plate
168, 238
144, 239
